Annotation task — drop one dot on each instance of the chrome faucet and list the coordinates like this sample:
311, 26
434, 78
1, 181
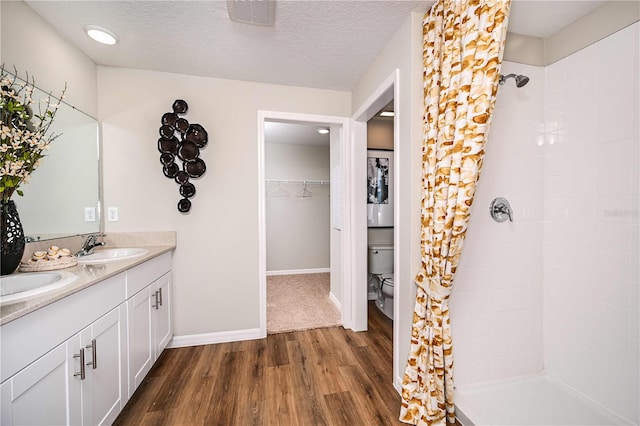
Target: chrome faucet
89, 244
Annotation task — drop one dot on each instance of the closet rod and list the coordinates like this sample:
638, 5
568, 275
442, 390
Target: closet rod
309, 182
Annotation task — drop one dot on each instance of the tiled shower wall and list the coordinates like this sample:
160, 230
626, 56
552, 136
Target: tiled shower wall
496, 306
590, 247
556, 291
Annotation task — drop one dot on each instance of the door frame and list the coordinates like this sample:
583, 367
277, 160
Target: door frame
343, 125
388, 90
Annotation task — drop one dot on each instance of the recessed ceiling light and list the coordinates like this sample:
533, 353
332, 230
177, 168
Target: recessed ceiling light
323, 131
387, 114
101, 35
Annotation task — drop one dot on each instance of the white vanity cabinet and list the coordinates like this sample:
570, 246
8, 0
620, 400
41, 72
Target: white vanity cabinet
81, 380
150, 326
45, 392
72, 361
104, 387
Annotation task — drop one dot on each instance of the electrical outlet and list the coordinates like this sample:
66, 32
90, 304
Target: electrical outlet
89, 214
112, 214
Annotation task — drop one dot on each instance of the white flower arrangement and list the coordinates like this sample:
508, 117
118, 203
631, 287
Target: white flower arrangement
24, 135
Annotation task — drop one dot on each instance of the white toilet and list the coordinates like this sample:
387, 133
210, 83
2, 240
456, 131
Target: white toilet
380, 265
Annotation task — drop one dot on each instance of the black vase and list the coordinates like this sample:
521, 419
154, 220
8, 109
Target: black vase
12, 238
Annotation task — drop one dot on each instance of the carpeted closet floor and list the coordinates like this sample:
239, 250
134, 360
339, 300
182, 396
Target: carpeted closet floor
300, 302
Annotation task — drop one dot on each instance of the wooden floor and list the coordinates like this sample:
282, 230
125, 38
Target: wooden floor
327, 376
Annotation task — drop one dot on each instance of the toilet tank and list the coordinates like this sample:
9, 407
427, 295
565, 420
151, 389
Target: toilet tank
380, 259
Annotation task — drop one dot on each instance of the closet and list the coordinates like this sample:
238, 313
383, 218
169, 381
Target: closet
297, 203
298, 233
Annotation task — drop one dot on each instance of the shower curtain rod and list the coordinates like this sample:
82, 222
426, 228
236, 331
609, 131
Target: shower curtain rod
309, 182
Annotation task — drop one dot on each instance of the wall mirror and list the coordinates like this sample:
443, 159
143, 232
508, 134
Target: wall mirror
62, 197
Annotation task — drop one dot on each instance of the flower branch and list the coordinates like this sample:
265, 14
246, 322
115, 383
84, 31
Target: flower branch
24, 132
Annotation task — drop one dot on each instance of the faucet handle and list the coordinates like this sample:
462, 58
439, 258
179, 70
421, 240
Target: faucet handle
500, 210
91, 239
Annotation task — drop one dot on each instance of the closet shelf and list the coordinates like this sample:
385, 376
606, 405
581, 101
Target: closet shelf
308, 182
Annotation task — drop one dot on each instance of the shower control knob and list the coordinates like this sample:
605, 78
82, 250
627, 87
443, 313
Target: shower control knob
500, 210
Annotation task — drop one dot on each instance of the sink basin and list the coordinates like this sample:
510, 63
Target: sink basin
20, 286
112, 255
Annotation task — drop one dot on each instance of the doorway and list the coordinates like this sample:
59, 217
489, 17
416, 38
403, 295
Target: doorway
298, 189
298, 230
387, 92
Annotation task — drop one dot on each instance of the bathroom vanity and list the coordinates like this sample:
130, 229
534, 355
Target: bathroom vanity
75, 356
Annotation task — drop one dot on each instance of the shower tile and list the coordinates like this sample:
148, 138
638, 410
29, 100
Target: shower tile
519, 366
482, 371
518, 343
583, 66
489, 301
612, 238
555, 187
526, 212
555, 164
530, 232
465, 303
500, 366
614, 209
581, 183
634, 246
535, 298
556, 73
579, 236
555, 208
464, 371
616, 55
535, 361
581, 209
581, 120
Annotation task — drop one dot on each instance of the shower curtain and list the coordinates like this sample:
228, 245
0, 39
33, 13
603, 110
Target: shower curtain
463, 42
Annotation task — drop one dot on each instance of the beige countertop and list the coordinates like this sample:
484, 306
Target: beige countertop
88, 275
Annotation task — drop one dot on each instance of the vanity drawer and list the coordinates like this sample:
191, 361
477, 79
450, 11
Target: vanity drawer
142, 275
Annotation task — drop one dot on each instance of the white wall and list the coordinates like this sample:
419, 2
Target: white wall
380, 134
297, 228
591, 256
216, 261
403, 52
32, 45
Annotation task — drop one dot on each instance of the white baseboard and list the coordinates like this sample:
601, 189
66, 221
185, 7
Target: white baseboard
398, 385
212, 338
299, 271
335, 301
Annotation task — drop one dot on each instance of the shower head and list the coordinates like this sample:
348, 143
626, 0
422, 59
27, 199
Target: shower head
520, 79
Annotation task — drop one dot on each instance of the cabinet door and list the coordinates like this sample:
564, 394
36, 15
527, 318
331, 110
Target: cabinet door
46, 391
139, 337
162, 321
104, 390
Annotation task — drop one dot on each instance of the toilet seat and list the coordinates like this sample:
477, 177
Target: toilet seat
387, 286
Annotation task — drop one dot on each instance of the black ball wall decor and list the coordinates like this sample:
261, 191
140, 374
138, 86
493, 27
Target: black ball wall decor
182, 141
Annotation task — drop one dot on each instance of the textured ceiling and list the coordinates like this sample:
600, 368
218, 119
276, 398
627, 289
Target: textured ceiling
324, 44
